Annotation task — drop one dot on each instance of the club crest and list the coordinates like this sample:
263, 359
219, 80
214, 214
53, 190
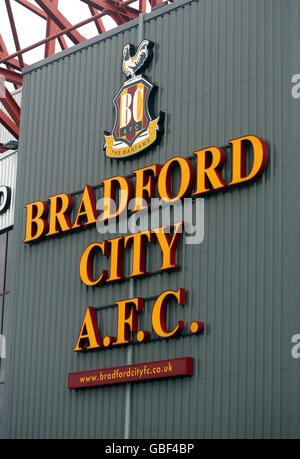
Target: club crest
135, 127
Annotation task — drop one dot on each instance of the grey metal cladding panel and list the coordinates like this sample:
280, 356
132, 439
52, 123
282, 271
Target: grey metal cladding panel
237, 288
223, 70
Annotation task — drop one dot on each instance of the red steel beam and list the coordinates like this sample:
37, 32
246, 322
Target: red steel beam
142, 5
128, 2
11, 76
125, 5
11, 106
32, 8
14, 31
118, 18
4, 54
98, 22
57, 26
60, 20
114, 7
9, 59
62, 43
51, 28
14, 63
2, 150
10, 125
46, 40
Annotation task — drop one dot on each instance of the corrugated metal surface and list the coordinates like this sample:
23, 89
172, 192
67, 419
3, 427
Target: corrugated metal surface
8, 173
223, 70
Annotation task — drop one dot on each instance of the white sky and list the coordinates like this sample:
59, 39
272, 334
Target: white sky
31, 28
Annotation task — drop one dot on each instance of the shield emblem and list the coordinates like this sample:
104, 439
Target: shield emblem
135, 128
132, 112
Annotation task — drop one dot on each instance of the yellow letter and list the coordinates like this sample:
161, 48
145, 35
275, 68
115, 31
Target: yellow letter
187, 179
110, 203
36, 215
145, 188
59, 220
209, 171
260, 159
87, 209
116, 259
169, 245
89, 330
138, 251
159, 313
86, 264
127, 319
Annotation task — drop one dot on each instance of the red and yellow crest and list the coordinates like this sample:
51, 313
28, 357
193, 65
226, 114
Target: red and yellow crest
135, 128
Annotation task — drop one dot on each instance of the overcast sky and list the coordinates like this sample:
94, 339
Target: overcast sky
31, 28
